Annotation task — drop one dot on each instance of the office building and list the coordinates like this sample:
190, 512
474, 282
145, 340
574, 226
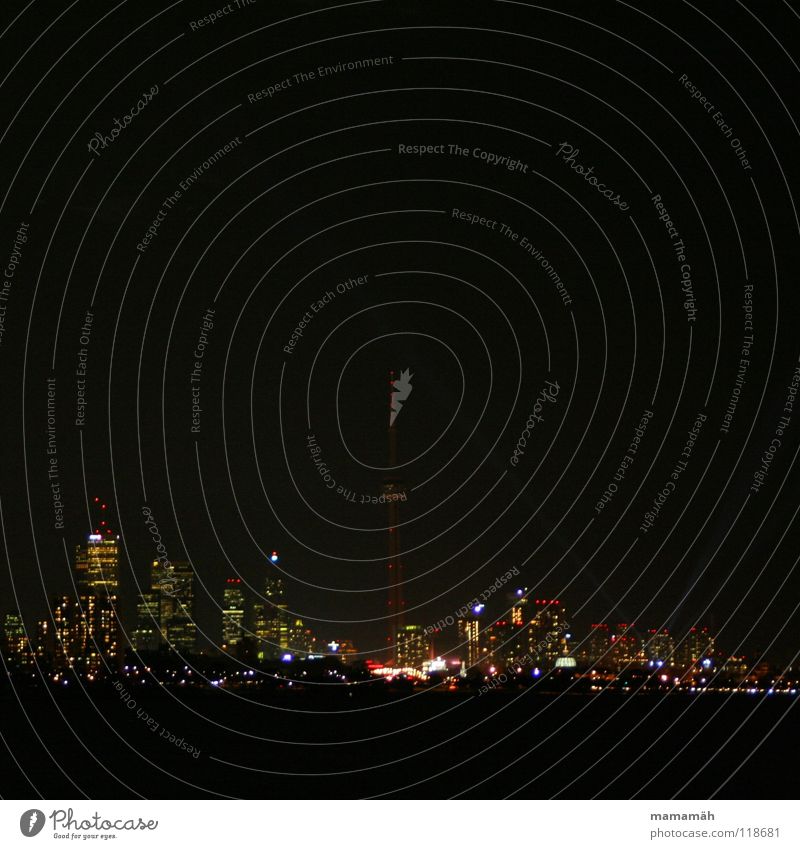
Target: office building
233, 612
273, 625
146, 636
173, 582
97, 565
471, 644
660, 647
413, 646
16, 649
546, 632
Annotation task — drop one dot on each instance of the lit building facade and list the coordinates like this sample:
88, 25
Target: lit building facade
97, 634
471, 646
413, 646
233, 612
599, 645
273, 626
506, 644
97, 566
546, 639
659, 646
626, 647
697, 645
82, 634
15, 646
519, 606
146, 636
174, 585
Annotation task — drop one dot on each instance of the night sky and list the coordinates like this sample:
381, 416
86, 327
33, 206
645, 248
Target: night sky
319, 186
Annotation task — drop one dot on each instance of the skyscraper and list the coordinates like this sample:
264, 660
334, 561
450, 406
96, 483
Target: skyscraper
301, 638
146, 636
626, 647
82, 634
469, 636
97, 565
89, 631
695, 646
96, 634
546, 631
232, 612
599, 645
174, 584
413, 647
15, 647
506, 643
518, 610
272, 623
659, 646
58, 636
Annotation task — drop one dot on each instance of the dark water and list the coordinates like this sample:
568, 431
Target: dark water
433, 745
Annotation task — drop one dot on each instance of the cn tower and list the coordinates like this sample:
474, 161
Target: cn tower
393, 489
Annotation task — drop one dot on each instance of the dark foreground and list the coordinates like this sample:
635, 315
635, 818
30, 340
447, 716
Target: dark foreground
431, 745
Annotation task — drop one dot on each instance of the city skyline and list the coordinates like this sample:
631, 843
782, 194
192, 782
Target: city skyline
85, 633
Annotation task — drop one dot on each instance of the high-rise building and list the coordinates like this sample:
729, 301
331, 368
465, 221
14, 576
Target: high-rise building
471, 646
546, 631
696, 646
96, 634
301, 638
83, 631
659, 646
15, 646
56, 636
518, 610
232, 612
174, 584
413, 647
97, 560
146, 636
272, 624
599, 645
61, 639
45, 645
82, 634
87, 629
262, 628
626, 647
97, 565
506, 643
